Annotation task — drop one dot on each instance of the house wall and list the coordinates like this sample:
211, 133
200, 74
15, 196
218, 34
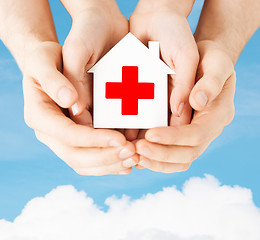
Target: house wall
152, 112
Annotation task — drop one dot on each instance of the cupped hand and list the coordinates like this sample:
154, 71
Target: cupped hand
46, 93
96, 28
174, 148
160, 21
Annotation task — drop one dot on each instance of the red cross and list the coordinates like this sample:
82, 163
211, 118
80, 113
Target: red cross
129, 90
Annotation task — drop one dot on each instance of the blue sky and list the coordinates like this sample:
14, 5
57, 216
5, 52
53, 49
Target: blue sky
29, 169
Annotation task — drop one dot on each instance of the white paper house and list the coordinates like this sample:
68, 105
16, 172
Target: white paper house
131, 86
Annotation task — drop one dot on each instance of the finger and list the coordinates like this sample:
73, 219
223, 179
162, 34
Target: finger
45, 116
206, 125
114, 169
199, 131
139, 166
167, 153
213, 71
141, 134
179, 51
85, 118
184, 79
78, 158
163, 167
75, 58
110, 170
191, 135
52, 82
131, 134
186, 135
84, 45
184, 119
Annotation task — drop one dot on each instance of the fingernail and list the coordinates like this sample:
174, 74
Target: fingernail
145, 163
65, 96
124, 172
201, 98
115, 143
180, 109
130, 162
75, 109
125, 153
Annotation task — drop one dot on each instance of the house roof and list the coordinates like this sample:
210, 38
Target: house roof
130, 46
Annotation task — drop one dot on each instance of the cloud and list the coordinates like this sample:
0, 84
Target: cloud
202, 210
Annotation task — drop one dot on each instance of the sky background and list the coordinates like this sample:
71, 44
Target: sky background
28, 169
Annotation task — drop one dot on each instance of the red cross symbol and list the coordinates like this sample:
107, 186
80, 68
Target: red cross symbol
129, 90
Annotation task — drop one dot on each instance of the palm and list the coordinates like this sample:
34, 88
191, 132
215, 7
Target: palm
178, 50
91, 36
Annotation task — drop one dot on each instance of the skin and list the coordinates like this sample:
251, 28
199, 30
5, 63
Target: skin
220, 41
174, 148
165, 21
98, 152
230, 32
47, 91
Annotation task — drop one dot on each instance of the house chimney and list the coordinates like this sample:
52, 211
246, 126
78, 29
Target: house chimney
154, 48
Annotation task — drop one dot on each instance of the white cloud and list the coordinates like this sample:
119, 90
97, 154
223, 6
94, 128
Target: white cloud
203, 210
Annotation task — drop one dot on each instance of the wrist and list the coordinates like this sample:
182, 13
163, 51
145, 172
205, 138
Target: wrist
226, 43
22, 49
216, 45
228, 25
182, 8
76, 7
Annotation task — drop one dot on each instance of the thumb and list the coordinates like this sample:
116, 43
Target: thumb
58, 88
44, 67
215, 68
81, 50
75, 65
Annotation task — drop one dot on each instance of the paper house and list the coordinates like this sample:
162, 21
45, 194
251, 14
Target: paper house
130, 86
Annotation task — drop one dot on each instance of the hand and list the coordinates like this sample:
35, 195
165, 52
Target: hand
87, 151
173, 149
96, 28
161, 21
